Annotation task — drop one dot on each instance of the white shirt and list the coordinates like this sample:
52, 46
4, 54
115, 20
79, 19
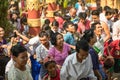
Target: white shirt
32, 44
42, 51
16, 74
102, 17
116, 30
74, 70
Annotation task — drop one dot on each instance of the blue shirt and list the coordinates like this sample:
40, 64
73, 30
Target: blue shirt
69, 38
94, 57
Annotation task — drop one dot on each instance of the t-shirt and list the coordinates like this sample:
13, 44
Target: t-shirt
58, 56
16, 74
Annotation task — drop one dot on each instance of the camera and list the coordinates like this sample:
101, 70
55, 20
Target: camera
14, 34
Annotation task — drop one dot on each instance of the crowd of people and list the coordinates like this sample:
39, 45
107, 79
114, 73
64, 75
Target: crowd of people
81, 44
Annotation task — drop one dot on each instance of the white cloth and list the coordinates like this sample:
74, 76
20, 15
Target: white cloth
32, 45
116, 30
9, 65
74, 70
42, 51
102, 17
16, 74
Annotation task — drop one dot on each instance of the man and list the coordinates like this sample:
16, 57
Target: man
72, 14
42, 51
106, 32
78, 66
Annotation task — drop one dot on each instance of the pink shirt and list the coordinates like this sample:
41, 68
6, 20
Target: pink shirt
60, 21
82, 27
58, 56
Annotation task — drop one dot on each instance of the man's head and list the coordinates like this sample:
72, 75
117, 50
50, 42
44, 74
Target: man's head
54, 26
97, 28
19, 54
44, 38
95, 15
82, 17
69, 26
82, 49
72, 12
109, 14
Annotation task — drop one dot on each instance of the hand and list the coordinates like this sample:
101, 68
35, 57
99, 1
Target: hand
59, 67
17, 32
4, 46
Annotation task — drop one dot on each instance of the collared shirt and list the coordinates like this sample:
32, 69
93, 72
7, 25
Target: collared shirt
74, 70
42, 51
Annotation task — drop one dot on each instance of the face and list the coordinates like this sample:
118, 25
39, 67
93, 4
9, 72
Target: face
22, 58
109, 16
82, 54
44, 40
2, 32
14, 16
98, 30
54, 28
82, 20
95, 18
60, 40
52, 69
71, 28
73, 12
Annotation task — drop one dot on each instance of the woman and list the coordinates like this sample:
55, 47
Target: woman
3, 58
60, 50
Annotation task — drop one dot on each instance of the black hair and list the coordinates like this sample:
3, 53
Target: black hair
45, 27
88, 34
43, 33
109, 12
100, 9
17, 49
76, 26
47, 21
116, 11
93, 26
67, 18
82, 44
106, 8
49, 62
95, 12
82, 15
54, 38
57, 14
67, 24
23, 20
55, 23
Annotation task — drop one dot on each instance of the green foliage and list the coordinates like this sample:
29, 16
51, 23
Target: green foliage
4, 22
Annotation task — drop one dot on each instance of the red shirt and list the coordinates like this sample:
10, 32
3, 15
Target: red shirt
46, 77
82, 27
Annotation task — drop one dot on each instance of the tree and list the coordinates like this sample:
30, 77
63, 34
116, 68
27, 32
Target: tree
4, 22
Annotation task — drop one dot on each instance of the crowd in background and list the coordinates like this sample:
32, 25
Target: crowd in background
81, 44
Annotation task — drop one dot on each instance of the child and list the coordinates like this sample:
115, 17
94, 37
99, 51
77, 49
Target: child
69, 36
53, 72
